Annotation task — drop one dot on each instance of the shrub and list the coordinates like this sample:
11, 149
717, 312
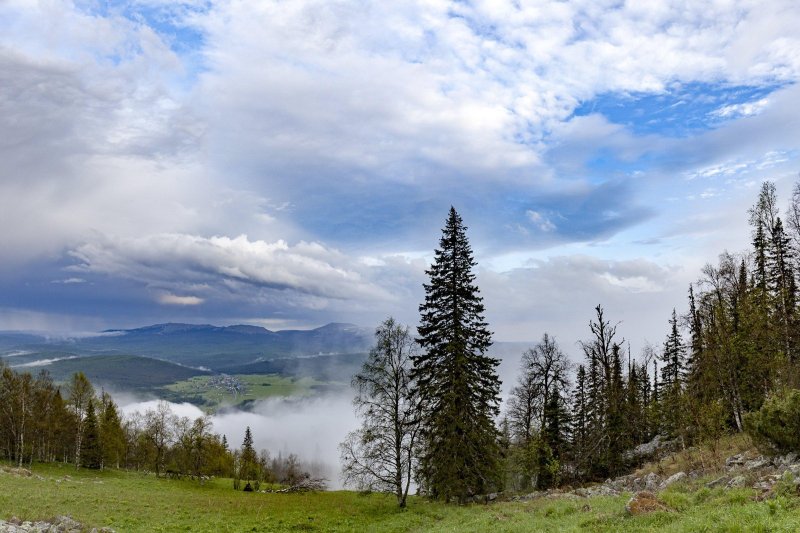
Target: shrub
775, 428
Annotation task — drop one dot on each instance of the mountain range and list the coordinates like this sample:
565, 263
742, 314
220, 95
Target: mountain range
202, 346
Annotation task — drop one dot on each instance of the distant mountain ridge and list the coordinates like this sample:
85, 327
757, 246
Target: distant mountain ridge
197, 345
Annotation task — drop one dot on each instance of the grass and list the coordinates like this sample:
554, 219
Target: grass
256, 387
709, 458
128, 501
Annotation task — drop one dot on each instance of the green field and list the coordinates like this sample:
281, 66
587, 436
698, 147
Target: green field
212, 391
133, 502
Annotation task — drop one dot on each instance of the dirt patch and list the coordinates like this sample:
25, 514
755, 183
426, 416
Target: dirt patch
645, 502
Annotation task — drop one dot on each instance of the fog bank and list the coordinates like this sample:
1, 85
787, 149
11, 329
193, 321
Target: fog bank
312, 428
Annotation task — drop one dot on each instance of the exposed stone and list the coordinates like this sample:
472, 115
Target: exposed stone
674, 478
23, 472
737, 482
648, 449
61, 524
717, 482
601, 490
651, 482
785, 460
762, 485
757, 463
735, 460
644, 502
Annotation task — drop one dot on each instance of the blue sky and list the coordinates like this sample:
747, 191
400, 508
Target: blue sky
291, 164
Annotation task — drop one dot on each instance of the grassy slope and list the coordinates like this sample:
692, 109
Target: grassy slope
129, 372
131, 502
257, 387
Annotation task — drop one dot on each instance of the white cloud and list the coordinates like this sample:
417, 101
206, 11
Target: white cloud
558, 295
174, 299
222, 264
110, 132
745, 109
540, 221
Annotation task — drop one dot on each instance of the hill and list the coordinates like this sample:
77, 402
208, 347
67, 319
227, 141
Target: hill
195, 345
338, 367
123, 372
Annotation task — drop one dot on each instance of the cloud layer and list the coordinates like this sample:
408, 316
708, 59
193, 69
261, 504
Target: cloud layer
293, 163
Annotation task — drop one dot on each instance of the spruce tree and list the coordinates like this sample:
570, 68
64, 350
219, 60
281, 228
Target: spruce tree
457, 386
91, 452
249, 464
580, 417
617, 428
674, 356
695, 359
112, 435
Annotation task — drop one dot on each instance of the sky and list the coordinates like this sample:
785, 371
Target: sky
289, 164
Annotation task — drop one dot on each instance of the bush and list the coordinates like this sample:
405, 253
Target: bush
775, 428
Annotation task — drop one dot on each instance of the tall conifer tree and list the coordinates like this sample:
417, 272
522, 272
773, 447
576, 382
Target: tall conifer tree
91, 453
457, 383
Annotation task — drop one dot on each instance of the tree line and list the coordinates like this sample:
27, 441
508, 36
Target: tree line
41, 421
430, 405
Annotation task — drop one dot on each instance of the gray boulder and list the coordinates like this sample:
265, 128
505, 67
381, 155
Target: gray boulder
737, 482
734, 461
674, 478
719, 482
757, 463
652, 482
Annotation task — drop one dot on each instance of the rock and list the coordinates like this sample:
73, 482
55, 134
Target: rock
757, 463
737, 482
651, 482
648, 449
24, 472
734, 461
785, 460
601, 490
717, 482
535, 495
491, 497
644, 502
61, 524
67, 523
674, 478
763, 486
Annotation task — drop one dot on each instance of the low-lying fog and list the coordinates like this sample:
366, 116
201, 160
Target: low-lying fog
312, 428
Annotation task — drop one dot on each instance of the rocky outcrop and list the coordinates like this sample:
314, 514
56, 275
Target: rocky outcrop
60, 524
742, 470
649, 450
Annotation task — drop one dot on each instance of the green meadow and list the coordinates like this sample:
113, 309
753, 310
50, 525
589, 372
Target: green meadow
129, 501
211, 395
